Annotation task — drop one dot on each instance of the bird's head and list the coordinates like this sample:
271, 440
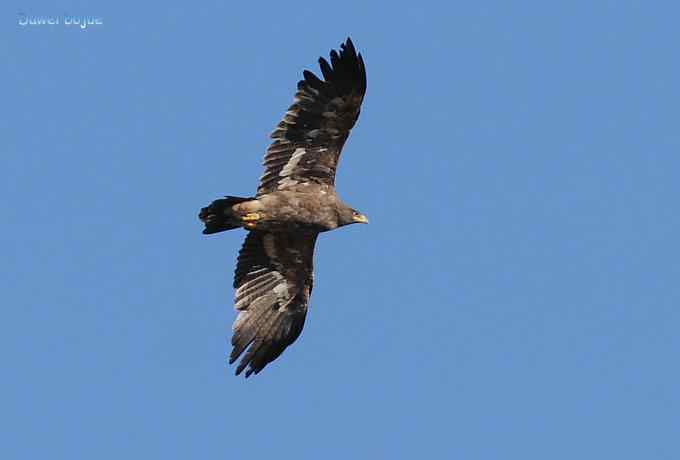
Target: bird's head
351, 216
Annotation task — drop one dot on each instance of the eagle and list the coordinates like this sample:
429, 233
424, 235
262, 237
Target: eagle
295, 201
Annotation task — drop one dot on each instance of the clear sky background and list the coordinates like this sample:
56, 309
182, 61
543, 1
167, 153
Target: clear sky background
515, 295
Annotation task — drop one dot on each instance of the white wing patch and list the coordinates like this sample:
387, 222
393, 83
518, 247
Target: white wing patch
281, 290
292, 163
248, 292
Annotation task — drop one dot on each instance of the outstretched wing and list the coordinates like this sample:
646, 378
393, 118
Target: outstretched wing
273, 282
308, 141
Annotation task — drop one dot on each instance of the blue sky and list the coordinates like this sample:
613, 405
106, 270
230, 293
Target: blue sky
515, 295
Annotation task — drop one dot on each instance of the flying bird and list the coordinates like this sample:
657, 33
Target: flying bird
295, 201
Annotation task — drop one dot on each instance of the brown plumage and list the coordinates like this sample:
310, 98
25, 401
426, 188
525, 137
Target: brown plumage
295, 201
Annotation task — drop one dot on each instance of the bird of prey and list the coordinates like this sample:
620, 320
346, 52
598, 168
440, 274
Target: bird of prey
295, 201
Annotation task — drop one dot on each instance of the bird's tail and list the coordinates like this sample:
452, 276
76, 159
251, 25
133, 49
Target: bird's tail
219, 216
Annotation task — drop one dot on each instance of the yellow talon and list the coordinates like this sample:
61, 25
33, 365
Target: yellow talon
251, 217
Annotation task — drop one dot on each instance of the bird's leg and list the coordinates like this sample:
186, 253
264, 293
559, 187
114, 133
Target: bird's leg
251, 217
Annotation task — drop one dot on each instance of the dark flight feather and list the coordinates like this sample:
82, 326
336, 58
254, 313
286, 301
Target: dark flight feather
309, 139
273, 282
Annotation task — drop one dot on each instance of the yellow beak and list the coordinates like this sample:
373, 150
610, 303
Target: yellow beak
360, 219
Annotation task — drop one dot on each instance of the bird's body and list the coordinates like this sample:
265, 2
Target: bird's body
314, 210
295, 201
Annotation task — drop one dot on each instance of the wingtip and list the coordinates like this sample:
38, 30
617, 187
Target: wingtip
349, 45
240, 369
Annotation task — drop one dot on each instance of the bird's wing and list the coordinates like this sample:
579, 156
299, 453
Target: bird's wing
308, 141
273, 282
